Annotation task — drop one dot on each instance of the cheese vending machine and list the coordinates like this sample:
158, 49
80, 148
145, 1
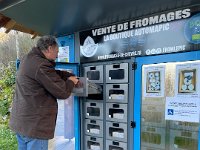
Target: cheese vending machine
105, 117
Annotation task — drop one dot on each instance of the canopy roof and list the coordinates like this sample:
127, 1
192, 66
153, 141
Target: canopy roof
63, 17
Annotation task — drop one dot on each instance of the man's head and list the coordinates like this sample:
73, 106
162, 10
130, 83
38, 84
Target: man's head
48, 46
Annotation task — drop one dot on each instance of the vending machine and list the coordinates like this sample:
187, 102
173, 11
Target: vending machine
148, 85
106, 117
103, 114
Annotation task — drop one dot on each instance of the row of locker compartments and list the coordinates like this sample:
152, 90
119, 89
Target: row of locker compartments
114, 130
154, 115
154, 137
115, 73
94, 143
114, 93
114, 111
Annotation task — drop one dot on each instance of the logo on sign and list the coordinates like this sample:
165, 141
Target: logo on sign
89, 47
192, 29
170, 112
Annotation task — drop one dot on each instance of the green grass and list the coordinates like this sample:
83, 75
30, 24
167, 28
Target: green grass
8, 139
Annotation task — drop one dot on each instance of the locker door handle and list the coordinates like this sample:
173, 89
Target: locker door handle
133, 124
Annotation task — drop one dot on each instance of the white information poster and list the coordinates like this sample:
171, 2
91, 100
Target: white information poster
187, 80
182, 109
154, 83
63, 54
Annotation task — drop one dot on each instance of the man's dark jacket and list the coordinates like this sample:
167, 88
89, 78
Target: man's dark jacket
38, 85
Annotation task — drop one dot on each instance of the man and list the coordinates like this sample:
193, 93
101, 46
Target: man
38, 85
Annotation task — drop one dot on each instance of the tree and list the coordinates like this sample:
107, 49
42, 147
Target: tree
7, 48
9, 43
25, 43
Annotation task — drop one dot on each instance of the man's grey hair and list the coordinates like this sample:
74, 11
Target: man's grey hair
44, 42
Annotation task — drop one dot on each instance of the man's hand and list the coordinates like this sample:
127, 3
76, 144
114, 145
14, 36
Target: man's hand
73, 79
79, 85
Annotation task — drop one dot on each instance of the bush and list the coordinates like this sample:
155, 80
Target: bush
7, 139
7, 85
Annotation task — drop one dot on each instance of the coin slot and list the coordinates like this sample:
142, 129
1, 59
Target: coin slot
116, 86
115, 105
93, 139
93, 121
92, 68
93, 104
116, 143
116, 66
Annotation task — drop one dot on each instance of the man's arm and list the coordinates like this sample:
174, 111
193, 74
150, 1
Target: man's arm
47, 76
64, 74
